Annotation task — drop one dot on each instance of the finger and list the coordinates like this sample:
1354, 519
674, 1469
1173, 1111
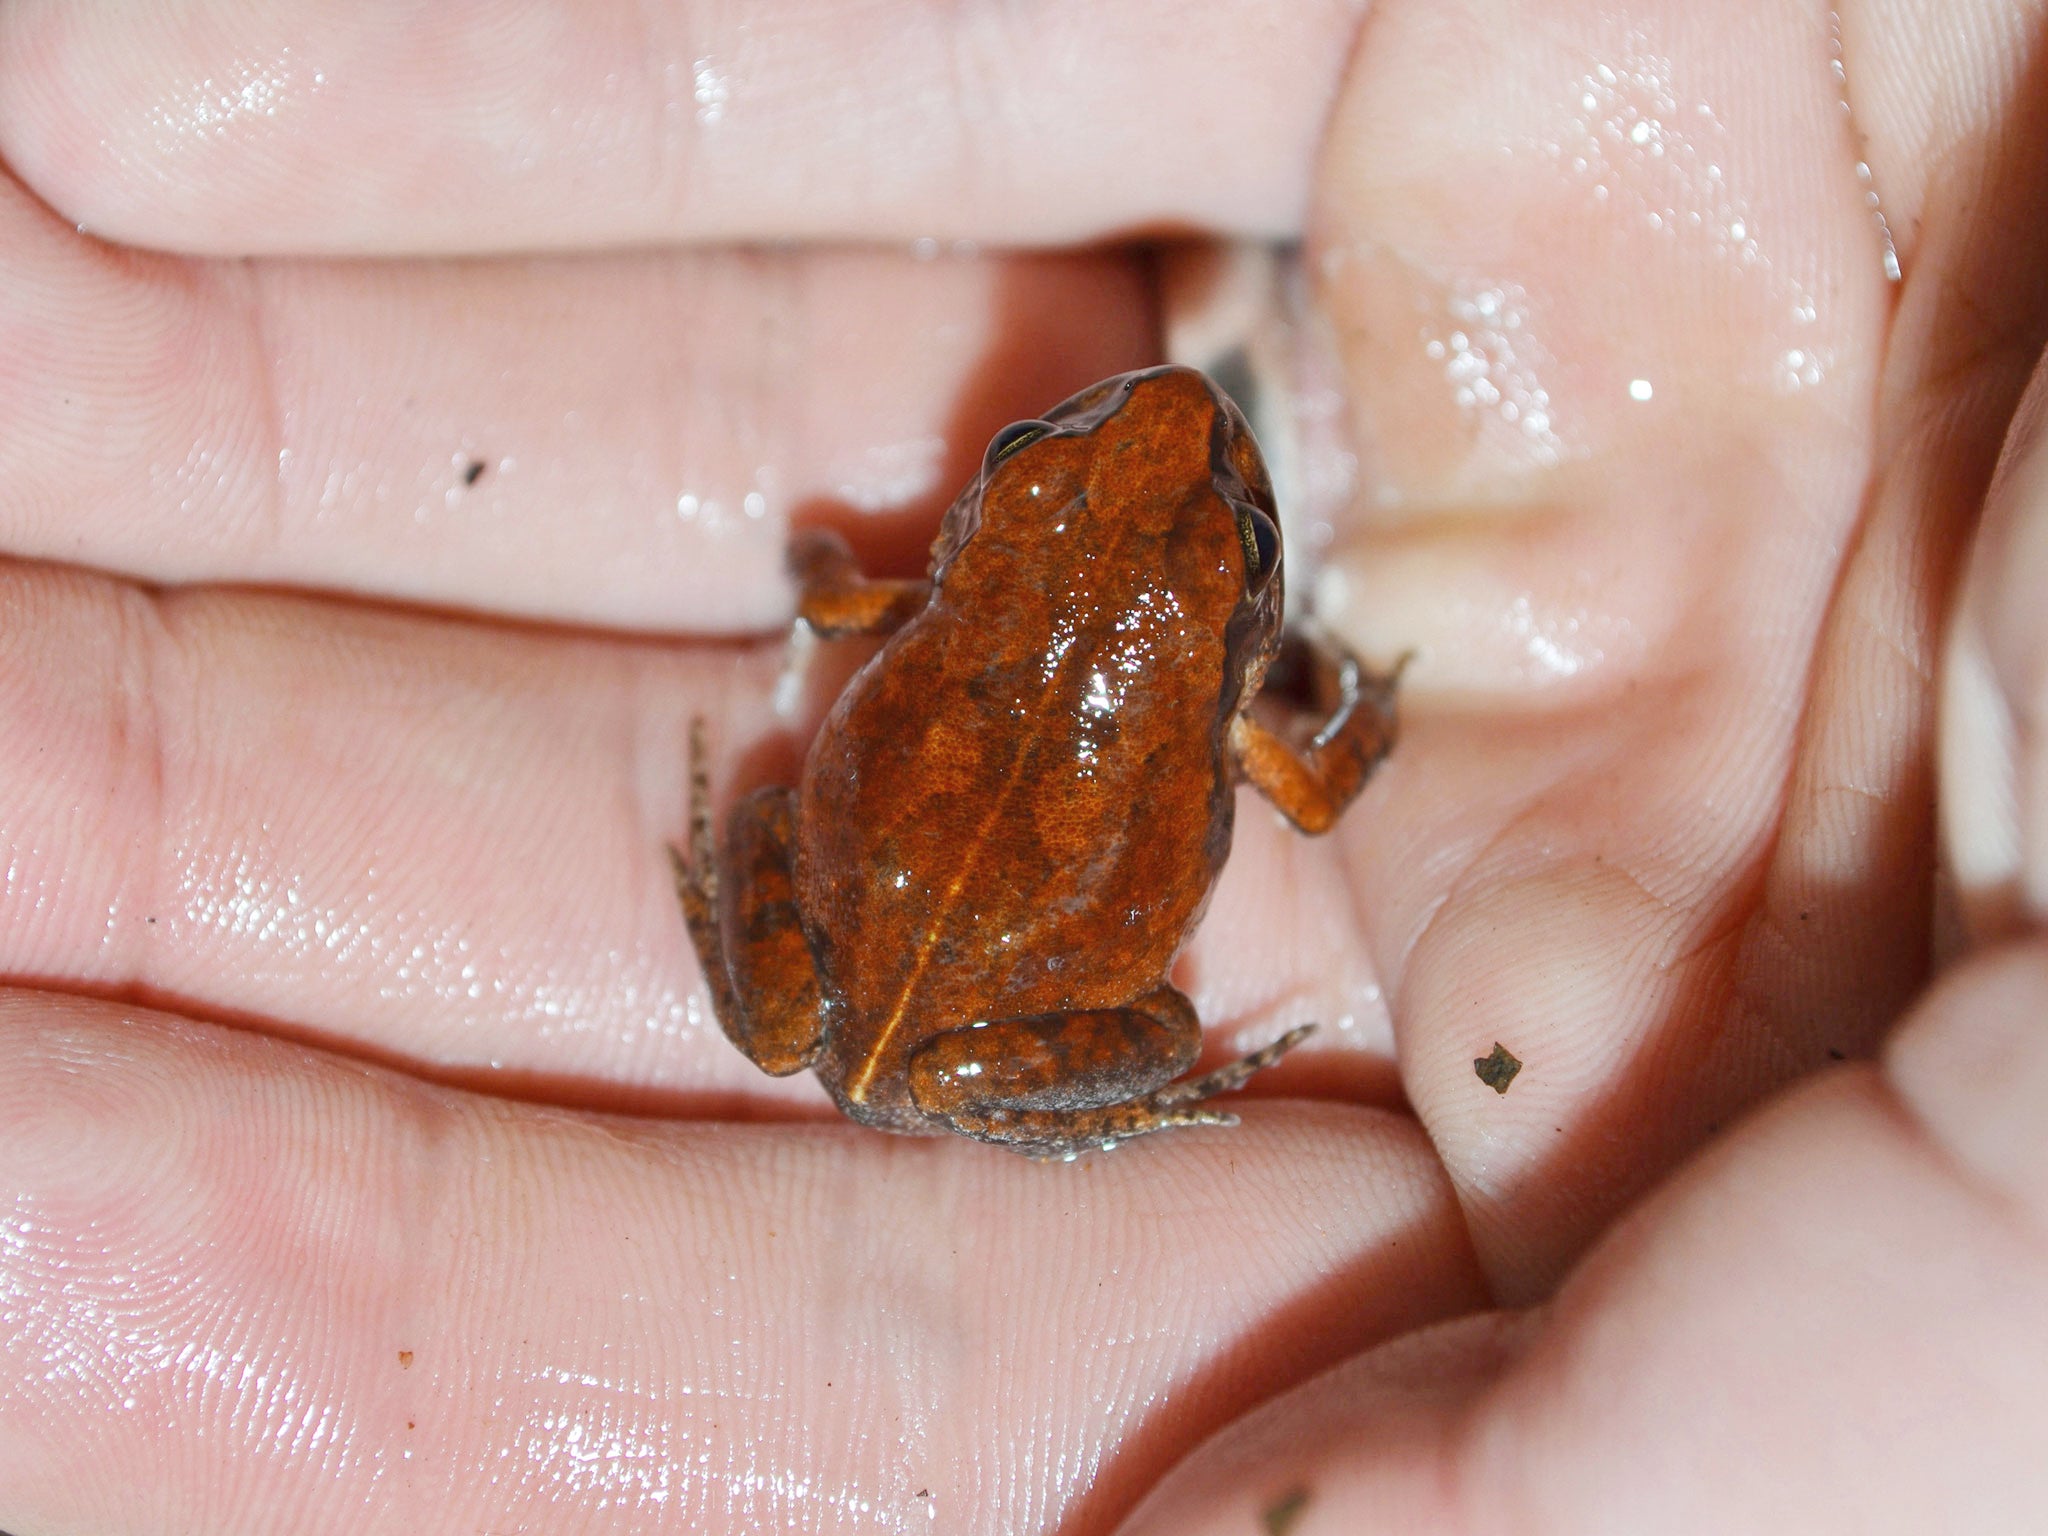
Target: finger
618, 442
1823, 1324
422, 840
1994, 749
246, 1283
234, 126
1658, 821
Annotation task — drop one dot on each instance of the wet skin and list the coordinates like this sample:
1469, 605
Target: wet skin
963, 918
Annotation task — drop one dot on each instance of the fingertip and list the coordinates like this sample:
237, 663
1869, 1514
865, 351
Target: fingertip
1993, 752
1972, 1067
1371, 1444
1980, 829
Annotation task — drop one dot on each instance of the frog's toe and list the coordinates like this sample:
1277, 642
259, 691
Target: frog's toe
1231, 1077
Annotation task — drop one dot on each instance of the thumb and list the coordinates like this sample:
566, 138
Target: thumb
1827, 1322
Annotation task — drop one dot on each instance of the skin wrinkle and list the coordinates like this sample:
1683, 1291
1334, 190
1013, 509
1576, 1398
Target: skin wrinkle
1875, 797
1748, 1011
1918, 661
253, 296
977, 62
1750, 981
654, 740
138, 655
1352, 879
1801, 940
1536, 810
1725, 925
675, 128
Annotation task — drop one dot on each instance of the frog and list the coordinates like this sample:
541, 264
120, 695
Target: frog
963, 917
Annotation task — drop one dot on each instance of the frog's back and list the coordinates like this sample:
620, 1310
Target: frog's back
961, 862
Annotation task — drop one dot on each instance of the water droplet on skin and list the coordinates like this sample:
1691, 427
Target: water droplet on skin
1491, 365
711, 88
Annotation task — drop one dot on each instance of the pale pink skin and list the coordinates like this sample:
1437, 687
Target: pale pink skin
1661, 819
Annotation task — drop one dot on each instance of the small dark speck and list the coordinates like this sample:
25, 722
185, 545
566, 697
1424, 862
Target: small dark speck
1803, 916
474, 472
409, 1424
1282, 1513
924, 1493
1498, 1069
405, 1359
1835, 1055
150, 920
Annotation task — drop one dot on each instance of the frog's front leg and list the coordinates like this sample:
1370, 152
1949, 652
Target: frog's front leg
1058, 1083
1311, 784
835, 599
742, 914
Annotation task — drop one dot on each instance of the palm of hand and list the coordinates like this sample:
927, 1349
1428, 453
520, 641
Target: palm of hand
1674, 491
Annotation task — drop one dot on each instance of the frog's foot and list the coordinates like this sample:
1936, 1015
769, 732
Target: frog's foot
1066, 1133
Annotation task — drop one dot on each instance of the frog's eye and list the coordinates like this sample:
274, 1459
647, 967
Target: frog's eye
1015, 436
1261, 540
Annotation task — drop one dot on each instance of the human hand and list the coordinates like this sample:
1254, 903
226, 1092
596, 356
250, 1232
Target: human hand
1674, 694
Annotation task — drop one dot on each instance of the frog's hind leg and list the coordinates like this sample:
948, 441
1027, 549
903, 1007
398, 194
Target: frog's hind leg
742, 916
1311, 781
1058, 1084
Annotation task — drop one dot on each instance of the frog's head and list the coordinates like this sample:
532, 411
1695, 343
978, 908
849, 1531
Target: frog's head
1142, 495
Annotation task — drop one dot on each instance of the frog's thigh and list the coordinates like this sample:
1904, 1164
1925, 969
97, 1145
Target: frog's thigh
1057, 1061
765, 981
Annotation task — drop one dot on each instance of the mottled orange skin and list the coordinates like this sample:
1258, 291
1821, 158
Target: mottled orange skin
1011, 820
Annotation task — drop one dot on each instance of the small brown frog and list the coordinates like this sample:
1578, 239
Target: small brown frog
962, 919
